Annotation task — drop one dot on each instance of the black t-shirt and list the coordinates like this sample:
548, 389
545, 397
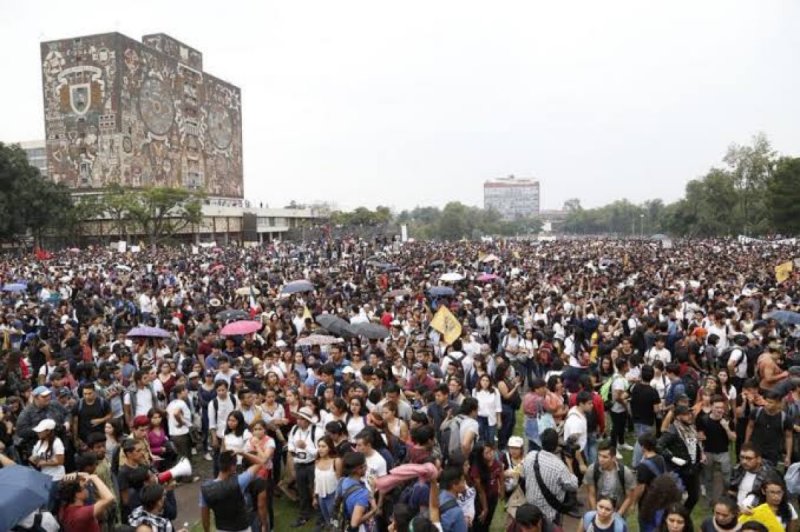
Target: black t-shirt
768, 433
643, 398
87, 412
645, 475
716, 437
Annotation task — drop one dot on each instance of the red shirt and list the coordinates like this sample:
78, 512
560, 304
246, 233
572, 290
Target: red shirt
79, 519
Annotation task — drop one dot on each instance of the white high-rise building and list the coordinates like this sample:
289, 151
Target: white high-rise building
512, 197
36, 151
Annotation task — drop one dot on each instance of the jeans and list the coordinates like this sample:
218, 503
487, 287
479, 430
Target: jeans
638, 430
724, 461
326, 507
486, 432
591, 448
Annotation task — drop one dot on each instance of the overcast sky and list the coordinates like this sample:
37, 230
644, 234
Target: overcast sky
419, 102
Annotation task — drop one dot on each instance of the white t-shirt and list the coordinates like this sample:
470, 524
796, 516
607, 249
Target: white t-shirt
237, 443
745, 488
144, 402
489, 404
575, 425
739, 361
175, 406
376, 468
40, 450
468, 425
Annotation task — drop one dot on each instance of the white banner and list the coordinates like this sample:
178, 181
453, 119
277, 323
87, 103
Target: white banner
122, 246
404, 233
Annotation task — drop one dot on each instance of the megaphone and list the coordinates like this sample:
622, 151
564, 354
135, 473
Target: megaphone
182, 469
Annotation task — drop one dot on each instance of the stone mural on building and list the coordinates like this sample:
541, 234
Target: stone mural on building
139, 114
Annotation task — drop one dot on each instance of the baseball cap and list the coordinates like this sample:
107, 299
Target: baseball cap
41, 390
45, 424
516, 441
194, 375
681, 409
140, 421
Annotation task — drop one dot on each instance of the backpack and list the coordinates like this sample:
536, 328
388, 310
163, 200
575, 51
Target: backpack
606, 392
725, 356
588, 519
690, 385
544, 354
99, 398
340, 521
247, 369
651, 465
215, 401
792, 479
620, 475
450, 438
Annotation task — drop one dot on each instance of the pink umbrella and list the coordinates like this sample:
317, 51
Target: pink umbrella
486, 277
239, 328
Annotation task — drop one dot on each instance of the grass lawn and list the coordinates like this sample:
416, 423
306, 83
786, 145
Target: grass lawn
286, 511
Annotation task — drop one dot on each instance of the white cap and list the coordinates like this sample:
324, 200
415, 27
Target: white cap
45, 424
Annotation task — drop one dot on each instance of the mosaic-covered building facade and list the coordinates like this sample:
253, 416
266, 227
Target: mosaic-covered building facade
139, 114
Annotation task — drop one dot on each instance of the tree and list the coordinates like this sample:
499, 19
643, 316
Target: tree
572, 205
750, 168
30, 205
163, 211
783, 196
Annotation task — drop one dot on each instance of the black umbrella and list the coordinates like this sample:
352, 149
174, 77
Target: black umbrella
335, 325
437, 264
372, 331
233, 314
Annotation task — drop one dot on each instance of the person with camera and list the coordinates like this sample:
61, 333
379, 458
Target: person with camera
302, 445
548, 479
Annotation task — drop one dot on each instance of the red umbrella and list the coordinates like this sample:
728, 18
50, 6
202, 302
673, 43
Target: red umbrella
239, 328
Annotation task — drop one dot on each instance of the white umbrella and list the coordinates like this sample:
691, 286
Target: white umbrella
245, 291
451, 277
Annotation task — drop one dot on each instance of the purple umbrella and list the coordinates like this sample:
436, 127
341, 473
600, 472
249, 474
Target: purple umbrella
149, 332
486, 277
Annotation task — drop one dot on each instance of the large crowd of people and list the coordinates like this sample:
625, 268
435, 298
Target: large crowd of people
593, 384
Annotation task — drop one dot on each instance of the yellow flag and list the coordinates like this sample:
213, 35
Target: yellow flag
306, 313
764, 515
783, 271
447, 324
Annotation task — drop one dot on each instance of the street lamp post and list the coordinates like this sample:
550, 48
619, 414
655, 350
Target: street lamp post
641, 225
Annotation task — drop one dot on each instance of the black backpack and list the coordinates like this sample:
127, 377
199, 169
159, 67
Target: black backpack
620, 475
690, 386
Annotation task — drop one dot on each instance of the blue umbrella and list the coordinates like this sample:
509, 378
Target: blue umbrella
298, 286
785, 317
149, 332
22, 490
440, 291
15, 287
